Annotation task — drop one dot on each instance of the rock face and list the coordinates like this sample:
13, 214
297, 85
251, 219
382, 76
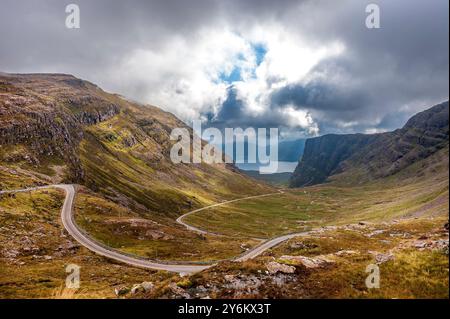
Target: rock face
364, 157
46, 115
323, 155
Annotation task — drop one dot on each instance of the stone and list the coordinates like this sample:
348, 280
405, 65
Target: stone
420, 244
381, 258
375, 233
120, 291
148, 286
439, 244
243, 283
274, 267
178, 291
11, 253
308, 262
136, 289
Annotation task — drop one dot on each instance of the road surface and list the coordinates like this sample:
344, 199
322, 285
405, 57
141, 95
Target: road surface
69, 224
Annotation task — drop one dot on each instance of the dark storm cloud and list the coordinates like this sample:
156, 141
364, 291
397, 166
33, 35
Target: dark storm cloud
34, 35
232, 108
34, 31
233, 114
383, 77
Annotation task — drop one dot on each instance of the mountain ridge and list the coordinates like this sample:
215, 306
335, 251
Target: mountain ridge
363, 157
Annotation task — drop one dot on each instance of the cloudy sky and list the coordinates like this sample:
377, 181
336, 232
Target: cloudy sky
307, 67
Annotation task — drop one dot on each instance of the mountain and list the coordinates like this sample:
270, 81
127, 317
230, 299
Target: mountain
58, 128
291, 151
288, 151
356, 158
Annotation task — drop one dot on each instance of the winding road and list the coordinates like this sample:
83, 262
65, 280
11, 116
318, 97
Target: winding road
71, 227
198, 230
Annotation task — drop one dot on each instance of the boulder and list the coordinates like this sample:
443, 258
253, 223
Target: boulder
148, 286
178, 291
308, 262
375, 233
381, 258
420, 244
136, 289
274, 267
120, 291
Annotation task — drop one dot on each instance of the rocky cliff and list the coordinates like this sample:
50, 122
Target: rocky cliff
324, 154
45, 115
362, 157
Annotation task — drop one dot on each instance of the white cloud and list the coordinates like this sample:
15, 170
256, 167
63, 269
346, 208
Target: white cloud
184, 77
374, 130
299, 118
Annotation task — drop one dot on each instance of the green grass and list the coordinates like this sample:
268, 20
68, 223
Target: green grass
125, 230
412, 273
261, 218
143, 173
301, 209
35, 217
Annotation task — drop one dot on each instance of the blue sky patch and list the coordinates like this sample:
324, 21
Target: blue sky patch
260, 52
234, 76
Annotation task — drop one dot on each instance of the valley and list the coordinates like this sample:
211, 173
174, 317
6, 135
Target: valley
333, 204
209, 230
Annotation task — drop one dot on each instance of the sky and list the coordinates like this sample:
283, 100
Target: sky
307, 67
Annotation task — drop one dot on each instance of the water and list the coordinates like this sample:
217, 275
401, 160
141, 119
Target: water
283, 167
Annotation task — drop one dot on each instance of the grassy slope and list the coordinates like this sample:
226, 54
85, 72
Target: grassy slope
125, 230
123, 158
31, 230
420, 189
101, 140
412, 273
424, 194
115, 169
